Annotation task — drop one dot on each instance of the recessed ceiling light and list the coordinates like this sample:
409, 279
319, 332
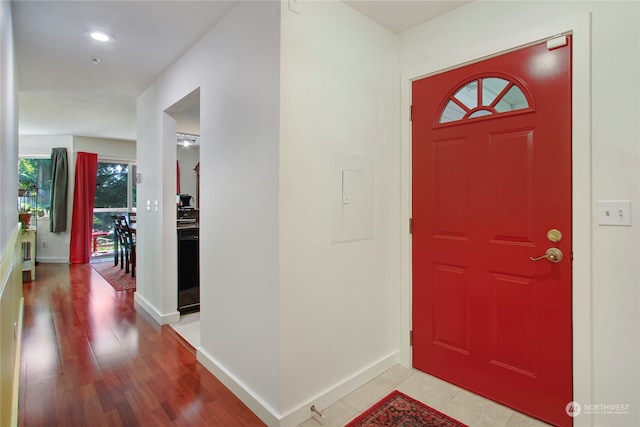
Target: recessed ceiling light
101, 36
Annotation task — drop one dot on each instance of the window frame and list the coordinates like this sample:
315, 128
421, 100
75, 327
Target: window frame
46, 209
130, 184
451, 97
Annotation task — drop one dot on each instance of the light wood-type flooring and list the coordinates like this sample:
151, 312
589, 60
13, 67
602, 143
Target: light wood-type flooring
90, 359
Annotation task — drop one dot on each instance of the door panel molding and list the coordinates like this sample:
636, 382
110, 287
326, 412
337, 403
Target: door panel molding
580, 26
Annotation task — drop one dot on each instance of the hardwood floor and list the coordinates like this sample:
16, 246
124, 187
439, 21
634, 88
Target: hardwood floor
90, 359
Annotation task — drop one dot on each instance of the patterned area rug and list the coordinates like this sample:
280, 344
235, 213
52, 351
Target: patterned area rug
115, 275
400, 410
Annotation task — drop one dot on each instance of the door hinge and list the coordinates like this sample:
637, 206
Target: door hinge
410, 225
411, 113
411, 337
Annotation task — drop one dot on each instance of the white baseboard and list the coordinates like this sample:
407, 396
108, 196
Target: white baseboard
297, 415
53, 260
162, 319
16, 367
339, 390
267, 414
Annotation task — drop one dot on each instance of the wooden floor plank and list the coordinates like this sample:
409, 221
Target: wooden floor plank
90, 359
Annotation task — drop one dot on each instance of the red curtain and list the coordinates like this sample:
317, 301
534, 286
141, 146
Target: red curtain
83, 200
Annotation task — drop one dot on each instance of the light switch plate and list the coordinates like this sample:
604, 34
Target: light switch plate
614, 212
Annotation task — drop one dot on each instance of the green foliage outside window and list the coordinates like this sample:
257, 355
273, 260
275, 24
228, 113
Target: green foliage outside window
111, 185
112, 180
34, 177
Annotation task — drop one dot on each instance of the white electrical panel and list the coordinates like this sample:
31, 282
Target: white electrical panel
352, 197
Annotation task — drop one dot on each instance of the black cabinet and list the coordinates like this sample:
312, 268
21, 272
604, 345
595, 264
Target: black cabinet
188, 270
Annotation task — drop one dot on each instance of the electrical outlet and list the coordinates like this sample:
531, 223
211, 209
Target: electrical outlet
44, 244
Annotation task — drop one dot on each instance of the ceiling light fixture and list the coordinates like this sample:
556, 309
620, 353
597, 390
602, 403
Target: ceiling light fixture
101, 36
186, 139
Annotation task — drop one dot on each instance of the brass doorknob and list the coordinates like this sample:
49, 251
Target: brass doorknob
553, 254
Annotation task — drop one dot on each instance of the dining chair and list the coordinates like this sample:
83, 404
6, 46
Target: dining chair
130, 245
118, 241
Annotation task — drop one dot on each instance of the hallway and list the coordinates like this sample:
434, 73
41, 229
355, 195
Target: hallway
90, 359
464, 406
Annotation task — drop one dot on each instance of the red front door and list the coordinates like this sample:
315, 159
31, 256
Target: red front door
492, 190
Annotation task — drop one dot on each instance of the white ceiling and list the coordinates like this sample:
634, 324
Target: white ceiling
401, 15
62, 90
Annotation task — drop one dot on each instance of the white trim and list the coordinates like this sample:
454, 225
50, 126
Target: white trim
130, 181
34, 156
163, 319
110, 158
295, 417
16, 365
580, 27
337, 391
265, 412
53, 260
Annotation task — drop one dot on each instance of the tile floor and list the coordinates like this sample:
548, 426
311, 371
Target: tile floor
189, 328
464, 406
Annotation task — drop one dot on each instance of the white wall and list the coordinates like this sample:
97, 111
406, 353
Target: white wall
57, 246
606, 155
106, 149
282, 308
288, 318
56, 249
339, 303
8, 129
11, 301
616, 251
188, 157
236, 67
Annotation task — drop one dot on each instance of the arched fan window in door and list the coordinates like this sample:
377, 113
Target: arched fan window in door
484, 96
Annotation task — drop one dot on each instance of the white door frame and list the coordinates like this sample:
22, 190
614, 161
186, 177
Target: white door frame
580, 27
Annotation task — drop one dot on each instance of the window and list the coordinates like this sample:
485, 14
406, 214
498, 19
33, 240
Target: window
115, 194
483, 97
34, 177
112, 186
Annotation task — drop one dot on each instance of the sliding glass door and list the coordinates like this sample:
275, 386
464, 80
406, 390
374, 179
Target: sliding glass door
115, 194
